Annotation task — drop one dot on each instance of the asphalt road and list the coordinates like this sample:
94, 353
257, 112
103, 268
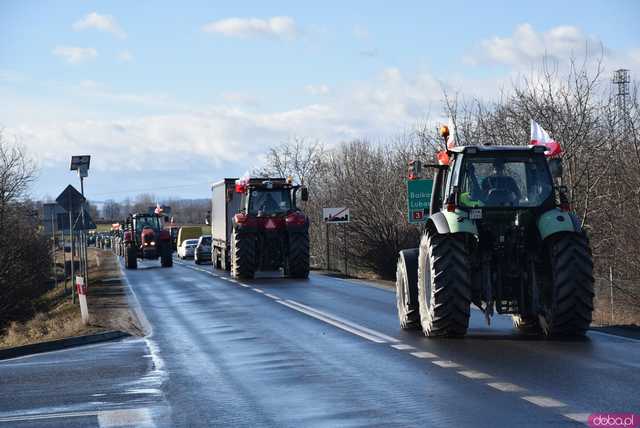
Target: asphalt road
317, 352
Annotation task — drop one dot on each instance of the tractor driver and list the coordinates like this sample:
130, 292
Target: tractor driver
498, 188
471, 197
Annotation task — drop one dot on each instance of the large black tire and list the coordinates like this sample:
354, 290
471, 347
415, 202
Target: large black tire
131, 257
243, 255
298, 257
444, 285
569, 302
166, 259
407, 289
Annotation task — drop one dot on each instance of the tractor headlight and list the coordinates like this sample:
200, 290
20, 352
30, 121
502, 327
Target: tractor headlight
153, 242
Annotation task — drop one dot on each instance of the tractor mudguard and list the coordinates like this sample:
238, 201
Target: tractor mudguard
453, 222
555, 221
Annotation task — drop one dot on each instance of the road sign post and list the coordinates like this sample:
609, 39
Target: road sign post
419, 199
339, 215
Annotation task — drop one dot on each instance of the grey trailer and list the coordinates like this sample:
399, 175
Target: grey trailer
225, 203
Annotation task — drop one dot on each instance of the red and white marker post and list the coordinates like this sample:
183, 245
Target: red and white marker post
81, 288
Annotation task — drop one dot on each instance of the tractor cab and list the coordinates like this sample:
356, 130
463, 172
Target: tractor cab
271, 197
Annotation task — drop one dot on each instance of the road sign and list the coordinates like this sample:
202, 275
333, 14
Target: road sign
419, 198
50, 217
70, 199
336, 215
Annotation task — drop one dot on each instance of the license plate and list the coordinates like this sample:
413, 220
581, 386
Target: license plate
475, 214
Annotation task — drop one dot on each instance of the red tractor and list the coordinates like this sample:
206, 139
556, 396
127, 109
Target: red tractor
144, 238
256, 225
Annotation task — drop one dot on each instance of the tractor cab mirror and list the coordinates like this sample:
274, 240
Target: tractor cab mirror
555, 167
304, 194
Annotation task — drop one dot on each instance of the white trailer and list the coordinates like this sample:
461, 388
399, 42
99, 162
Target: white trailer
225, 203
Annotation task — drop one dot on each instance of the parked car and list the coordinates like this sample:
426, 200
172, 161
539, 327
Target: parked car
187, 249
203, 250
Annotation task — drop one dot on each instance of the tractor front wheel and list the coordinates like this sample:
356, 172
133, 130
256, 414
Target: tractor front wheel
444, 285
407, 289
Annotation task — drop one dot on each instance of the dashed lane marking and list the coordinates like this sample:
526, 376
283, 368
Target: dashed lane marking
257, 290
423, 354
506, 387
543, 401
272, 296
446, 364
472, 374
403, 347
578, 417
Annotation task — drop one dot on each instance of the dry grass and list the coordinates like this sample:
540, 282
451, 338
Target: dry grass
61, 320
56, 317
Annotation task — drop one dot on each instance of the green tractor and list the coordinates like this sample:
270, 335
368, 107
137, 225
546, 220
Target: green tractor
500, 235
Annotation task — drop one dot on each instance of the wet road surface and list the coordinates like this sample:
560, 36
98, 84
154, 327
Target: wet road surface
317, 352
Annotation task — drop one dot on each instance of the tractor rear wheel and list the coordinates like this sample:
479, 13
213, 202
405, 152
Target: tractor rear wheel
444, 285
407, 289
243, 255
131, 257
166, 259
569, 304
298, 257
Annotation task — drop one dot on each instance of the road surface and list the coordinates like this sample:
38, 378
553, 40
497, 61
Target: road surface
317, 352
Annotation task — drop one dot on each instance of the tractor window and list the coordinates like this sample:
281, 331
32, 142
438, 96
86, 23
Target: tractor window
142, 222
267, 202
505, 181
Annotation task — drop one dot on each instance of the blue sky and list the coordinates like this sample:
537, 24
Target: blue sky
167, 94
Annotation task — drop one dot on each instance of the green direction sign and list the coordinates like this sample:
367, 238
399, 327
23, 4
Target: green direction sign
419, 198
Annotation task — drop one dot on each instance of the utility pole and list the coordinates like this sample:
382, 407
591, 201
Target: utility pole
611, 291
328, 247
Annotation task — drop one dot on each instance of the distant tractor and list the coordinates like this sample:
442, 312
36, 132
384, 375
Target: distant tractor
256, 225
145, 238
500, 235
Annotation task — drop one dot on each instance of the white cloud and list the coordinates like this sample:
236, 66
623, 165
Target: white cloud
317, 89
280, 27
125, 56
224, 134
527, 46
106, 23
75, 55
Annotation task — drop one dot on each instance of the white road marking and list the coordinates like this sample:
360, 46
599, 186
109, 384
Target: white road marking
403, 347
126, 417
383, 336
578, 417
244, 285
446, 364
333, 322
543, 401
257, 290
506, 387
19, 418
423, 354
472, 374
271, 296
